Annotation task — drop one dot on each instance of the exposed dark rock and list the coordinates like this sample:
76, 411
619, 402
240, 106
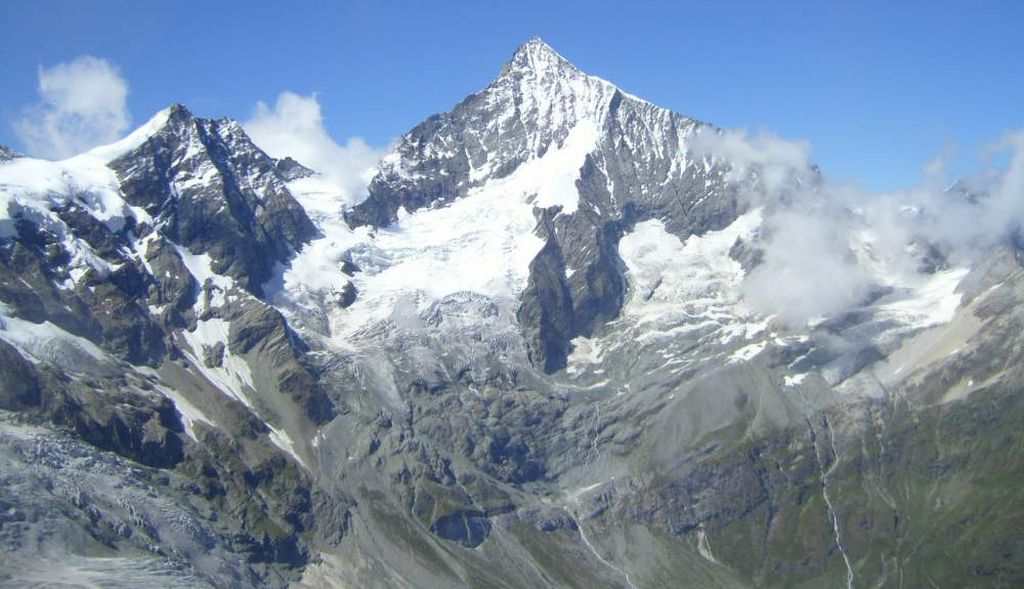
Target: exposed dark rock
127, 328
348, 267
31, 269
347, 295
213, 356
19, 386
468, 528
175, 286
141, 429
546, 310
256, 324
6, 153
241, 214
259, 328
289, 169
748, 256
101, 239
438, 179
100, 307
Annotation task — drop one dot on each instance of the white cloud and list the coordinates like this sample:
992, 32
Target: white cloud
82, 104
807, 270
294, 127
777, 164
1005, 212
827, 246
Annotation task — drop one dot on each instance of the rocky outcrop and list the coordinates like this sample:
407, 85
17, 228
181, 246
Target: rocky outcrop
546, 313
175, 289
6, 153
468, 528
141, 429
104, 306
32, 266
259, 330
19, 387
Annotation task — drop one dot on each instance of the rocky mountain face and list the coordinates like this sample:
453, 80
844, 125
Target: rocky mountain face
523, 360
104, 310
636, 166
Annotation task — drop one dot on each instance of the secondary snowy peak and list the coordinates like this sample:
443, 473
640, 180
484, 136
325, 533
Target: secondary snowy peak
155, 253
209, 188
33, 189
176, 129
178, 181
177, 126
173, 116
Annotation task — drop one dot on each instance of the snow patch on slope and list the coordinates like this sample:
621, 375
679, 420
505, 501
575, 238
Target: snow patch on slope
30, 188
747, 352
112, 151
686, 281
233, 377
553, 177
282, 440
928, 301
200, 267
317, 267
49, 343
482, 243
190, 414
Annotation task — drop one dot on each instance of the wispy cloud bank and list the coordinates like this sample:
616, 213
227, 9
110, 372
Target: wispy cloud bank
777, 163
827, 246
82, 104
294, 127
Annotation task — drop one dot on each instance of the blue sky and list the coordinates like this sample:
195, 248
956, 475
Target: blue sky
877, 88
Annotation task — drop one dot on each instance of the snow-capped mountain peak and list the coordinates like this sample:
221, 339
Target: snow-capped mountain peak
544, 142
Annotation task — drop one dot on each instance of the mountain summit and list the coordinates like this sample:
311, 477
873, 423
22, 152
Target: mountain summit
539, 58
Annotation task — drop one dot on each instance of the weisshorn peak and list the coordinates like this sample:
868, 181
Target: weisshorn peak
527, 356
589, 158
